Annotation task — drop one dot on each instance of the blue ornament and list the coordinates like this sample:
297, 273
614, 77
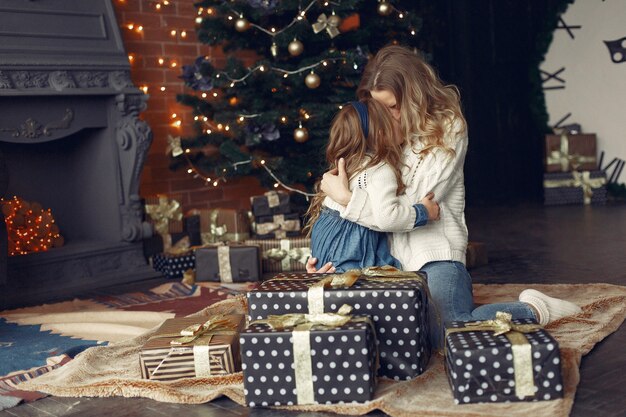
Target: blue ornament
194, 78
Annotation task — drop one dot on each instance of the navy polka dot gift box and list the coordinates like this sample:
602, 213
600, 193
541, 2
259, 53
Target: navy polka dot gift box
514, 366
173, 266
319, 366
399, 310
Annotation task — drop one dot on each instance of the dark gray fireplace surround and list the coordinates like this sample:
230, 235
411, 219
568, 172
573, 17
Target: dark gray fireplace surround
72, 140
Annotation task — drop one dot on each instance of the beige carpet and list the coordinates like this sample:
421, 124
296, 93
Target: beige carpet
114, 370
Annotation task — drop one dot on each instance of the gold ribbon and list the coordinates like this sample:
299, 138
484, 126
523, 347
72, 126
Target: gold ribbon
285, 254
563, 157
200, 335
223, 260
324, 22
302, 325
520, 347
163, 212
579, 179
278, 223
273, 199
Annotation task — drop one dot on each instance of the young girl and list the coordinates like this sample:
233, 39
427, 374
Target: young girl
365, 135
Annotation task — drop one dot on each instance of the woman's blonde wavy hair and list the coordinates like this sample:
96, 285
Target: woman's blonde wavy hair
347, 141
428, 108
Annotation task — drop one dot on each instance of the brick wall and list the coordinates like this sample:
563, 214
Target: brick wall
164, 30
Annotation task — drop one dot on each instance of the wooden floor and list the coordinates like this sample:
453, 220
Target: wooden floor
529, 244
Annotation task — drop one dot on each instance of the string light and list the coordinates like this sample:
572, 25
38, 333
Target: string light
161, 61
197, 174
30, 228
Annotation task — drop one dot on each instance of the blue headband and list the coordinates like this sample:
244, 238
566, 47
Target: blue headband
361, 109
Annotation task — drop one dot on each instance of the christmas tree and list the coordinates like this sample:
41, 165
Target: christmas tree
271, 118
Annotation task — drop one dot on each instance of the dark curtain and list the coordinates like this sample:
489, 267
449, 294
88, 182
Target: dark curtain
491, 50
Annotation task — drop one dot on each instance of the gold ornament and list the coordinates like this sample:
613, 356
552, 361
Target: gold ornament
312, 80
241, 25
384, 8
274, 49
301, 134
334, 20
295, 47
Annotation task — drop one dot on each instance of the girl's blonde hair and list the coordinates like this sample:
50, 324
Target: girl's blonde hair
347, 141
428, 108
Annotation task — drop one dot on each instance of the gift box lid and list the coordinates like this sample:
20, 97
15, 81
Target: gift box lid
224, 334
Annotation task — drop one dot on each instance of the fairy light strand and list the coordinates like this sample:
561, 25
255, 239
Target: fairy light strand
278, 32
216, 181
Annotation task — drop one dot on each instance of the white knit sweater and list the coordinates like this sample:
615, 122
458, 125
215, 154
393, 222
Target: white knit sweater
441, 240
384, 211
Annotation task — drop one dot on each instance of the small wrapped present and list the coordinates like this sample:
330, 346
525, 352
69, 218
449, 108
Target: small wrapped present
193, 347
270, 203
502, 360
309, 359
283, 255
219, 225
165, 214
567, 152
228, 263
476, 255
174, 265
396, 301
586, 187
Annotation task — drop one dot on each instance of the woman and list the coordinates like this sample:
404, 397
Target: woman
430, 117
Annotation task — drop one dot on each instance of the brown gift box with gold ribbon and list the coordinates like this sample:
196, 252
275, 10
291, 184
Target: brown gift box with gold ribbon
220, 225
231, 262
564, 153
502, 360
283, 255
309, 359
193, 347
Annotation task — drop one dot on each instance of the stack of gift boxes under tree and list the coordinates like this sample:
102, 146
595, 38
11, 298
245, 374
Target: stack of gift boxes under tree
572, 174
224, 244
323, 339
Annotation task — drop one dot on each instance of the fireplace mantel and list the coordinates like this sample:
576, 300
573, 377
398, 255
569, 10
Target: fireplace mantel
73, 141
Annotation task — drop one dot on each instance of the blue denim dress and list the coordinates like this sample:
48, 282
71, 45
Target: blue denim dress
348, 245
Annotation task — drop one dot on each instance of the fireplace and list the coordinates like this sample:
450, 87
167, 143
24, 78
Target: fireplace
72, 140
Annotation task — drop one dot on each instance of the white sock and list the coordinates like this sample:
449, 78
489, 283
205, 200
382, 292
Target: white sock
549, 308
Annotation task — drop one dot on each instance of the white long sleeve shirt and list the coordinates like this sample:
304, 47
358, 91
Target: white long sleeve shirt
384, 211
439, 172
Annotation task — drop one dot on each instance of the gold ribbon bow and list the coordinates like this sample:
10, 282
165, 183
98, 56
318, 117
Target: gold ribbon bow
217, 325
579, 179
324, 22
302, 325
162, 213
174, 146
520, 347
296, 254
563, 157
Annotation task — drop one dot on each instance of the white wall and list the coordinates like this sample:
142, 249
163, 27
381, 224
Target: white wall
595, 86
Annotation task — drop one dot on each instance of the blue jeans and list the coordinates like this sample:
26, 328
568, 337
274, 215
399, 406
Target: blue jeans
450, 288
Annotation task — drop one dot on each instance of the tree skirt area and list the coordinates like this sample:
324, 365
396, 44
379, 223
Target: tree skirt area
113, 370
37, 340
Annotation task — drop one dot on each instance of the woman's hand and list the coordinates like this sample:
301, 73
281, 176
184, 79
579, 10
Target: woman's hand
310, 267
431, 206
335, 184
